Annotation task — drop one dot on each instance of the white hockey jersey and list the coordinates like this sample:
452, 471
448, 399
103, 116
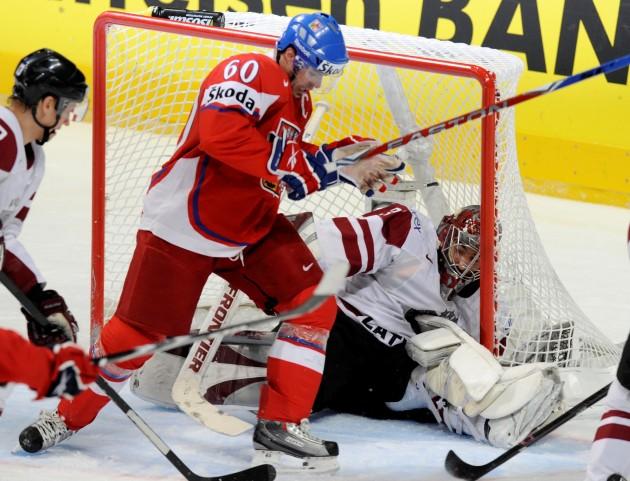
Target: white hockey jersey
392, 254
21, 172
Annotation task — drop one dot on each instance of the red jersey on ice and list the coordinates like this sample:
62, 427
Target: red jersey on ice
218, 193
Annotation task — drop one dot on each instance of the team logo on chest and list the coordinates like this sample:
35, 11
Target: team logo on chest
232, 94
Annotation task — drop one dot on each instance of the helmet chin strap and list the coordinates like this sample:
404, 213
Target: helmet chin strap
48, 129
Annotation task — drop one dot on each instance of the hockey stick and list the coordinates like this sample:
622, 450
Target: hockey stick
416, 154
187, 386
604, 68
333, 279
250, 338
263, 472
462, 470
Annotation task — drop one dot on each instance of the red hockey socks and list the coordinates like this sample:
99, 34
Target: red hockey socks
295, 366
116, 336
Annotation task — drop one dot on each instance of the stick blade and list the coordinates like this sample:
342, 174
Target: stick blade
262, 472
460, 469
185, 393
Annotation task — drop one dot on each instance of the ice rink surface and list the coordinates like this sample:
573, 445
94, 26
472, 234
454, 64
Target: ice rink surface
585, 242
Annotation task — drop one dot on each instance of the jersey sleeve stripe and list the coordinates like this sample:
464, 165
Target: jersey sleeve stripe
21, 215
369, 243
8, 147
350, 244
613, 431
616, 413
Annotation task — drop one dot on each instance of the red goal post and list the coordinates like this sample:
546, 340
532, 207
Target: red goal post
146, 75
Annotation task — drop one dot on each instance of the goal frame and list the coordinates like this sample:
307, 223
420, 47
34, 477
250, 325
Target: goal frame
488, 187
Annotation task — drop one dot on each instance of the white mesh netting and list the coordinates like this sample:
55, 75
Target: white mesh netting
152, 78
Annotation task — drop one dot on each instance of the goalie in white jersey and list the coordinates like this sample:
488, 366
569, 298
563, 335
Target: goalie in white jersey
399, 347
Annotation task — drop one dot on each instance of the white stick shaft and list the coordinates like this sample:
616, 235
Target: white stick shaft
312, 127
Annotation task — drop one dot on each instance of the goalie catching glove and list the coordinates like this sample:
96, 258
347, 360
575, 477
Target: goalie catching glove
62, 327
333, 162
473, 394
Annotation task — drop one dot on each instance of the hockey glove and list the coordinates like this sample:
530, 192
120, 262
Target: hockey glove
71, 372
326, 169
370, 174
291, 164
62, 326
334, 163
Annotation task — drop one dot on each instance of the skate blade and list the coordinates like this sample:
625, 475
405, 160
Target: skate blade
285, 463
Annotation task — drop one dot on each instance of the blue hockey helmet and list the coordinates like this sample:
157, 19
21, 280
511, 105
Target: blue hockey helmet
318, 43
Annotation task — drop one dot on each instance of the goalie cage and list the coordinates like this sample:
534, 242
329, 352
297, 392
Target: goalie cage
147, 73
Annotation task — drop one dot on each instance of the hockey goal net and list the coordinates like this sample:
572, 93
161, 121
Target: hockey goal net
147, 74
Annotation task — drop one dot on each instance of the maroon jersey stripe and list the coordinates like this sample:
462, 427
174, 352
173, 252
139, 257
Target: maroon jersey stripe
613, 431
369, 243
616, 414
8, 147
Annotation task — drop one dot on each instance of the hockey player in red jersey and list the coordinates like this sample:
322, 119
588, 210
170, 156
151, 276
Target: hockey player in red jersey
49, 91
609, 459
213, 208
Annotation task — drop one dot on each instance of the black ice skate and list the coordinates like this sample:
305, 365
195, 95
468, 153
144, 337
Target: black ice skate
47, 431
291, 447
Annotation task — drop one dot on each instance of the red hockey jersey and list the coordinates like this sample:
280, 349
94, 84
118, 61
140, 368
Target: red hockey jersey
218, 193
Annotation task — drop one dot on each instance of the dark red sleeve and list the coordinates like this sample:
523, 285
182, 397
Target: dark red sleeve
20, 273
396, 223
8, 147
22, 362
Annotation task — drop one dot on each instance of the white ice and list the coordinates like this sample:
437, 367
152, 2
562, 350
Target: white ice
585, 242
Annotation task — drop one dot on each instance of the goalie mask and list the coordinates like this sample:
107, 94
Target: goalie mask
319, 47
47, 73
459, 236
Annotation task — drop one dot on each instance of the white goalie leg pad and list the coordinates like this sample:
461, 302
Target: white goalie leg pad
154, 381
511, 429
523, 400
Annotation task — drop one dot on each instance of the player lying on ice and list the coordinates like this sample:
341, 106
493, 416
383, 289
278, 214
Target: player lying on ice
399, 347
213, 208
64, 371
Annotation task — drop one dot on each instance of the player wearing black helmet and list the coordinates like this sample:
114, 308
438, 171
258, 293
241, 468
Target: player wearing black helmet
49, 92
47, 82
